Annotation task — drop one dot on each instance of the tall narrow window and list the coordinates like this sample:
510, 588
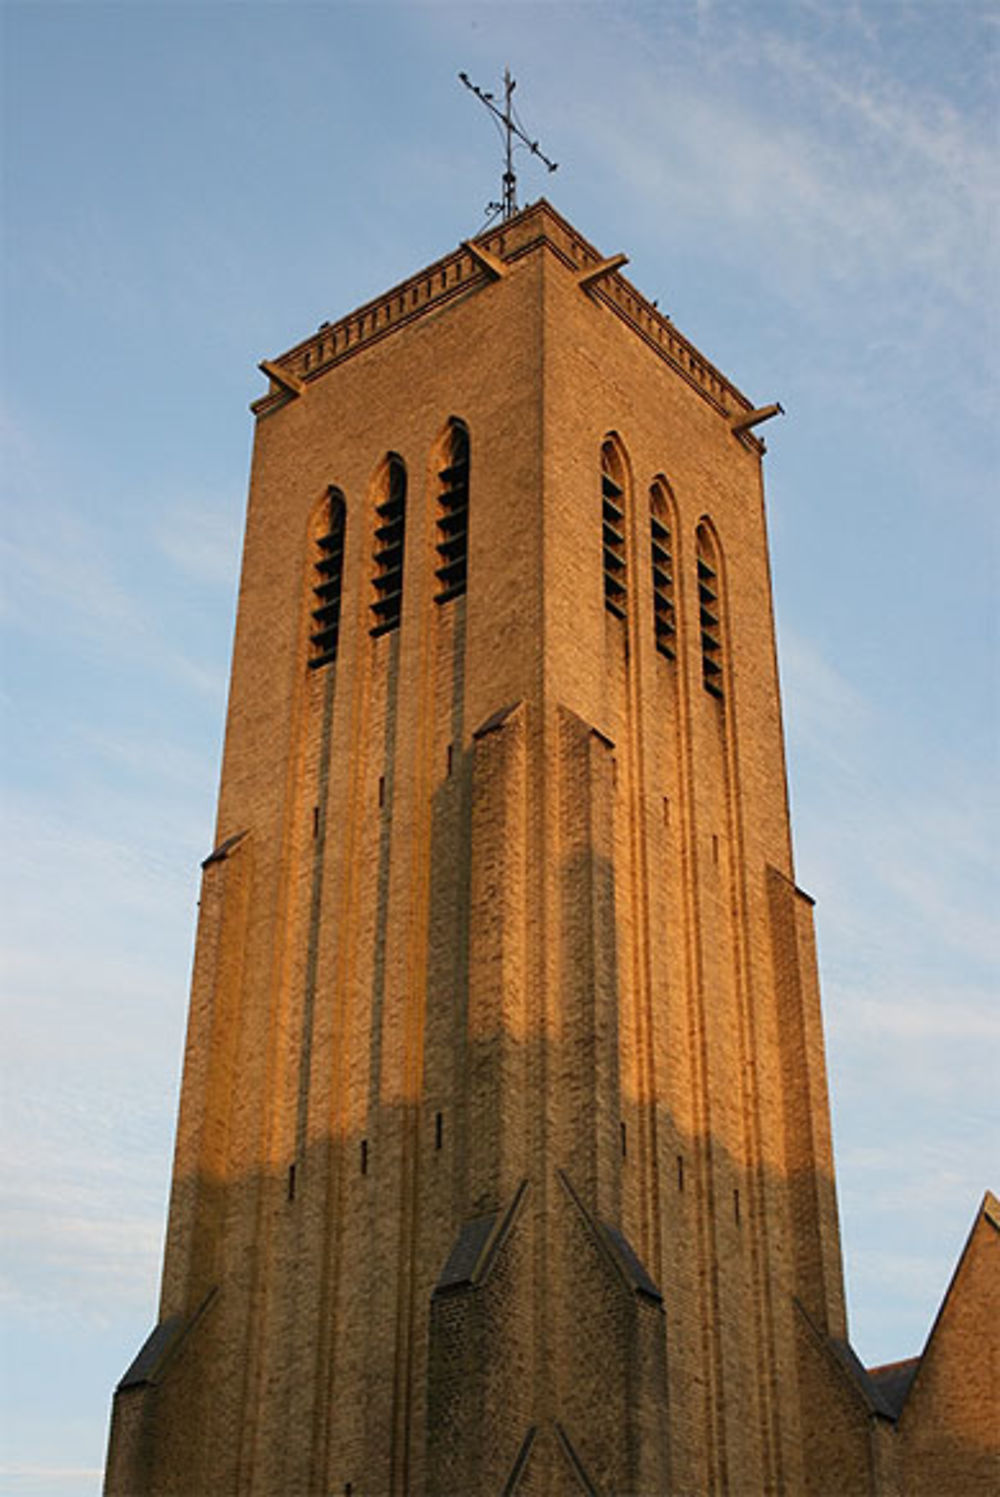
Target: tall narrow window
329, 572
453, 515
390, 544
613, 529
664, 613
709, 613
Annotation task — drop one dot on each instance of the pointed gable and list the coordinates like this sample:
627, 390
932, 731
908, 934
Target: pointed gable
949, 1423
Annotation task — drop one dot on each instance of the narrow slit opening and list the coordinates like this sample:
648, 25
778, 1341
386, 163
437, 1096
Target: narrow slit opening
452, 542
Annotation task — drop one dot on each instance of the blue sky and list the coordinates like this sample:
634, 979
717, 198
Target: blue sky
810, 190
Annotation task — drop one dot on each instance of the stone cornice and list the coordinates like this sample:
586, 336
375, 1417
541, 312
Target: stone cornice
538, 228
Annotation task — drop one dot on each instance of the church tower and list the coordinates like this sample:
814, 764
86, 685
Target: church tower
503, 1162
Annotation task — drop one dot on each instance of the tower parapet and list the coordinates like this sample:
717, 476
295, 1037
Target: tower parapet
469, 267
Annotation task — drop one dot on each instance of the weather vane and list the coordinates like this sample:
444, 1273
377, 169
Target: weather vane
513, 132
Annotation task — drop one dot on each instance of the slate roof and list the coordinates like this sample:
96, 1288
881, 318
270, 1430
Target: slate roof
893, 1382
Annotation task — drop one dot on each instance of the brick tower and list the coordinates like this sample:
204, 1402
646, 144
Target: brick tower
503, 1161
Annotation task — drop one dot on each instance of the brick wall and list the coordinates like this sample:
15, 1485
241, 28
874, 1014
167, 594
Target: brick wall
512, 918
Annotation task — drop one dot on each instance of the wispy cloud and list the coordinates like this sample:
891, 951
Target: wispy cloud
829, 713
82, 1189
28, 1478
934, 1016
83, 1196
873, 196
895, 839
70, 577
84, 864
95, 935
200, 536
74, 573
67, 562
66, 1265
170, 763
849, 192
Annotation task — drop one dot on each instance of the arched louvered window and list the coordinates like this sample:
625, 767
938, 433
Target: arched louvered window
329, 572
664, 612
390, 546
710, 612
613, 529
453, 515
